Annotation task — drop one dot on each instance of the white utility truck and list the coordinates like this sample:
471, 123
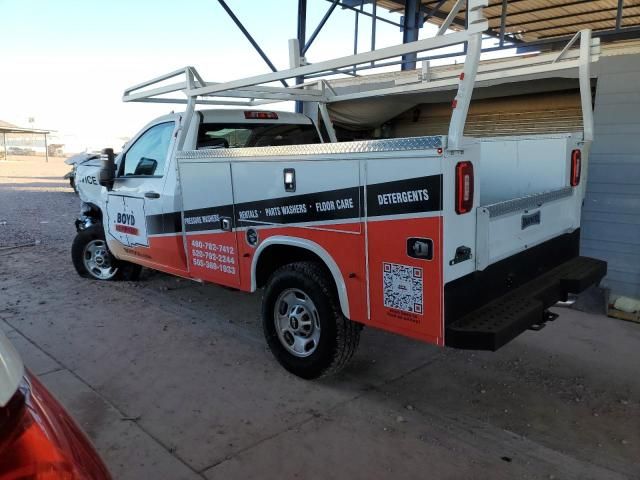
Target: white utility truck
451, 240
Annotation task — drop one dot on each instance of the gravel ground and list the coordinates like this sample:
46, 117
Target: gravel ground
171, 379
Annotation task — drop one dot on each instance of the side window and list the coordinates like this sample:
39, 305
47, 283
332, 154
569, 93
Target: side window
148, 155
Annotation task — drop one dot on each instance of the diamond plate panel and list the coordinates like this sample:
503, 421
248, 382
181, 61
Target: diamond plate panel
526, 203
366, 146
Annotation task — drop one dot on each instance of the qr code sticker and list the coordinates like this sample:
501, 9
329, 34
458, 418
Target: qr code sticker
402, 287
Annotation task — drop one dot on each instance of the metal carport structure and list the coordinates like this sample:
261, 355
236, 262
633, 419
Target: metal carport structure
8, 128
611, 215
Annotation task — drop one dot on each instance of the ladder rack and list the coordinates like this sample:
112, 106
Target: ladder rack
255, 91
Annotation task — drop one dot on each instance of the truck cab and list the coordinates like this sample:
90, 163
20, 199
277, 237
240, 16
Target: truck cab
143, 207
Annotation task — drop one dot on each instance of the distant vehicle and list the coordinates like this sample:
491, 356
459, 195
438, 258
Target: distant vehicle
38, 438
22, 151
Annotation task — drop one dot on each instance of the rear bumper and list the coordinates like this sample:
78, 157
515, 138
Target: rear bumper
518, 307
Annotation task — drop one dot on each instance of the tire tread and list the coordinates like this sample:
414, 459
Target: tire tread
347, 331
126, 271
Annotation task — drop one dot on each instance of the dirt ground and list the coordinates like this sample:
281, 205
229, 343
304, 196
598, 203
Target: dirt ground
172, 380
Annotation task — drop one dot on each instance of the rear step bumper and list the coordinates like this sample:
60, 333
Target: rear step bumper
500, 321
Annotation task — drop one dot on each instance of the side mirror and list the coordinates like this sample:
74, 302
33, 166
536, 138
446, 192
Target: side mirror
108, 169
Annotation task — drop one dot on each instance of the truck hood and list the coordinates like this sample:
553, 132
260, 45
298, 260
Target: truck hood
81, 158
11, 370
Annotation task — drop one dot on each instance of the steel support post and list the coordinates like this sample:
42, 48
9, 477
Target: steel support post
410, 32
320, 26
466, 24
356, 32
302, 38
46, 149
374, 22
503, 22
252, 41
619, 14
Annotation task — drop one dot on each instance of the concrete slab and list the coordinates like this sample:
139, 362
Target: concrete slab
202, 382
188, 363
372, 437
33, 357
538, 386
5, 327
143, 364
128, 450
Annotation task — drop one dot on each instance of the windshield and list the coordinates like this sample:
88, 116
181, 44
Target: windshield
225, 135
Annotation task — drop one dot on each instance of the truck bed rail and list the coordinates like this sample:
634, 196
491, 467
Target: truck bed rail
367, 146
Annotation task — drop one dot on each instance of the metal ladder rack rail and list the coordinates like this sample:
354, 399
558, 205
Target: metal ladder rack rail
253, 91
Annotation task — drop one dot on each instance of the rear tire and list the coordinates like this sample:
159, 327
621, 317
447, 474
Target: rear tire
303, 323
92, 259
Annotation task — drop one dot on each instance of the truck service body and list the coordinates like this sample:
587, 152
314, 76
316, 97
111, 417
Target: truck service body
447, 239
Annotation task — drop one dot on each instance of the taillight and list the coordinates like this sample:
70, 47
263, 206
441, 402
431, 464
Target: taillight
39, 440
464, 187
576, 167
257, 115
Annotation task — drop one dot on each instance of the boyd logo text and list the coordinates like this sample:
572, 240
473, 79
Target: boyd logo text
126, 219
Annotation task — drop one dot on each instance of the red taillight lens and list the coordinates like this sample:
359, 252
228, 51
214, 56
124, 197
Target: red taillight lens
38, 440
464, 187
576, 167
256, 115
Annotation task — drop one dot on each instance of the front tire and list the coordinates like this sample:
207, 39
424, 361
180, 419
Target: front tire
92, 258
303, 323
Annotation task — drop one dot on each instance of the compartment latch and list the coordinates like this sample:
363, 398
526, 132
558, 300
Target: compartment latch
462, 253
421, 248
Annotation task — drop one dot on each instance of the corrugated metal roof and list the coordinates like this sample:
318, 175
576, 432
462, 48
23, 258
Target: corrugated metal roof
539, 19
6, 127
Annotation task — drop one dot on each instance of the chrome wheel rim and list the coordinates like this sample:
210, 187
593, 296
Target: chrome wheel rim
98, 261
297, 322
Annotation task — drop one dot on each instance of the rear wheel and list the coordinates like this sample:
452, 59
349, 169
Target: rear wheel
92, 258
303, 323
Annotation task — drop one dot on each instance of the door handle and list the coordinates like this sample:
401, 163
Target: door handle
151, 195
226, 224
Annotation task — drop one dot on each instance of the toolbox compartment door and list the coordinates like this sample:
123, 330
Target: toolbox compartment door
509, 227
321, 195
207, 216
404, 246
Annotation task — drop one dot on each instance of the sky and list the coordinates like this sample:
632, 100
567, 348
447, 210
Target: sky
65, 64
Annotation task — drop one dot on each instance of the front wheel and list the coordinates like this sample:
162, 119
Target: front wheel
303, 323
92, 259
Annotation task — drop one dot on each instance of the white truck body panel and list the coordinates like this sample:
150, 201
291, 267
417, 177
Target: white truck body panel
507, 228
254, 181
514, 167
524, 194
